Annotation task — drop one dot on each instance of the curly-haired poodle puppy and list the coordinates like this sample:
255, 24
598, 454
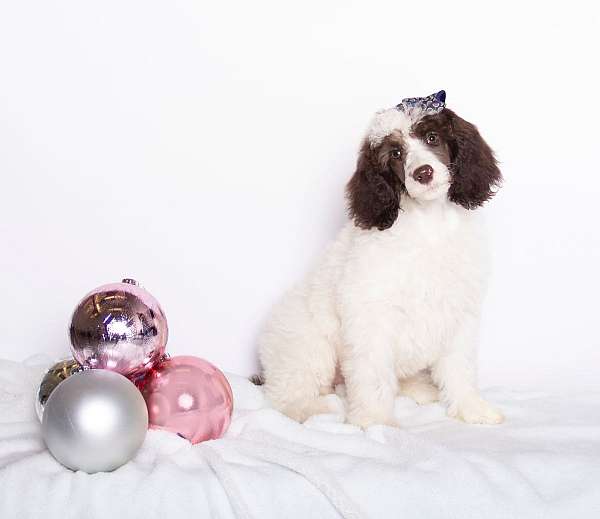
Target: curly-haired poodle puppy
394, 305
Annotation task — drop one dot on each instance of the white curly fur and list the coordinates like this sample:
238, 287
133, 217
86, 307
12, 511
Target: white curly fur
394, 311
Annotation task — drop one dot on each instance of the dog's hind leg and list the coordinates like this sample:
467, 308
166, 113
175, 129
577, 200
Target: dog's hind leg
298, 354
299, 370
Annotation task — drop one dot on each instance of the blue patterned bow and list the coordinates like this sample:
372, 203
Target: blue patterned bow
432, 104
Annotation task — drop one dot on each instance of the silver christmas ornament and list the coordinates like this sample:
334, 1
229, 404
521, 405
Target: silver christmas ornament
95, 421
56, 374
120, 327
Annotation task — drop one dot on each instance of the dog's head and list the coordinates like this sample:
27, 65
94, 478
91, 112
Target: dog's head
423, 150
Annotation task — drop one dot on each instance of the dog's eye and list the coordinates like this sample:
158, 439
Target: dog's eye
432, 139
396, 154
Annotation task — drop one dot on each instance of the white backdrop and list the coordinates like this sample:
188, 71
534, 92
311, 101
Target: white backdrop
203, 148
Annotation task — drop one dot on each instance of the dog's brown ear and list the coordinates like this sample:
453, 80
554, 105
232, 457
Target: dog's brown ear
373, 193
474, 169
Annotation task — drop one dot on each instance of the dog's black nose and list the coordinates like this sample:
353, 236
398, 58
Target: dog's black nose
423, 174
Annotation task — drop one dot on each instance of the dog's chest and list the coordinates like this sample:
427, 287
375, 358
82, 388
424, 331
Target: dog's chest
421, 280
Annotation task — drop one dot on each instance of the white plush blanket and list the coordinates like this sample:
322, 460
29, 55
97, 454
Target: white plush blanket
543, 462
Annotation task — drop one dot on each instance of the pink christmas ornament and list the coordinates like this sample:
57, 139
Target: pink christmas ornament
119, 327
188, 396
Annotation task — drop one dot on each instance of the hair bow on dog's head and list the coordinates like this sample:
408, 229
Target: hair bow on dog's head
411, 109
432, 104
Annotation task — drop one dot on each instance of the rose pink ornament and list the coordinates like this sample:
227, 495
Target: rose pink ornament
188, 396
119, 327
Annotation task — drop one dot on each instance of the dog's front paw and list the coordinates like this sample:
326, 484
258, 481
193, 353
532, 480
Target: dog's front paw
365, 419
477, 411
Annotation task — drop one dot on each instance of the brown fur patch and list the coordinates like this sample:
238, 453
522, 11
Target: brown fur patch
475, 172
373, 191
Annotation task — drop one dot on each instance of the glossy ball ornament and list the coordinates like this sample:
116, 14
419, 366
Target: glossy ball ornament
188, 396
120, 327
54, 375
95, 421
